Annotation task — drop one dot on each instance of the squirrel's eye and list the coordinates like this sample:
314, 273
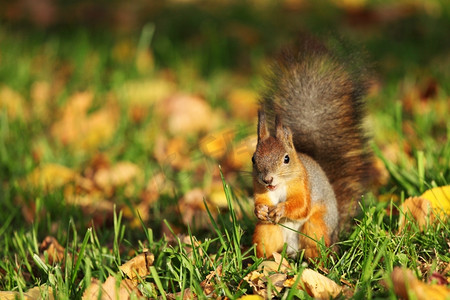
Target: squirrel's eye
253, 159
286, 159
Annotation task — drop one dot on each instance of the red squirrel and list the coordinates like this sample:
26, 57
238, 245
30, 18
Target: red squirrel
309, 171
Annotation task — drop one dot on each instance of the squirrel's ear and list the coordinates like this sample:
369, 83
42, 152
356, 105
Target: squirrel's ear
283, 133
263, 132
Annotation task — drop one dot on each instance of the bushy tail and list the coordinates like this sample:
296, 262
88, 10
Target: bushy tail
319, 95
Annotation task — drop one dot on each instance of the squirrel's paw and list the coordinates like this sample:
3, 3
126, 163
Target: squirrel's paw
262, 212
277, 213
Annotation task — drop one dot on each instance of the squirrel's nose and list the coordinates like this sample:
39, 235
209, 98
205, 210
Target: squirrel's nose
267, 180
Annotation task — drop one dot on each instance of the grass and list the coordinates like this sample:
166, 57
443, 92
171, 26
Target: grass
198, 51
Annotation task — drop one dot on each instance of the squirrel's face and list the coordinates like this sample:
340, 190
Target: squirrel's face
274, 156
272, 163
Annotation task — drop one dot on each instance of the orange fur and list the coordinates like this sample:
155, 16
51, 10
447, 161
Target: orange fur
298, 199
268, 239
314, 230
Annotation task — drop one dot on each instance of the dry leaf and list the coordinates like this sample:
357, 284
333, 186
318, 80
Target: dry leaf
186, 294
316, 285
83, 131
244, 103
240, 156
251, 297
138, 266
439, 198
187, 114
40, 94
121, 174
35, 293
405, 284
256, 280
54, 250
110, 291
12, 102
216, 145
416, 209
173, 152
51, 176
208, 284
193, 210
434, 204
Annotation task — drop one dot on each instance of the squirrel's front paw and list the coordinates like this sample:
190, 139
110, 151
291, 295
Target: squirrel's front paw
262, 212
277, 213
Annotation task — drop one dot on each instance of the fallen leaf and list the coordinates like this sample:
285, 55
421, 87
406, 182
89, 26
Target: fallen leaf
316, 285
83, 131
122, 174
35, 293
240, 156
439, 198
13, 103
406, 284
40, 94
110, 290
244, 103
433, 205
417, 209
186, 294
217, 144
187, 114
251, 297
54, 250
193, 210
138, 266
208, 285
51, 176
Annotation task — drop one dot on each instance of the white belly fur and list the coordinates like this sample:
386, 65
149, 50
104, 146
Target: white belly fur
289, 228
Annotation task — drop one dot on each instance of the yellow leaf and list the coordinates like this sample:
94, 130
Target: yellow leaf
416, 209
244, 103
35, 293
316, 285
439, 198
111, 290
405, 284
138, 266
12, 102
251, 297
51, 176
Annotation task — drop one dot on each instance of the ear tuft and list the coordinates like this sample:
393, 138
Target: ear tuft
263, 132
283, 133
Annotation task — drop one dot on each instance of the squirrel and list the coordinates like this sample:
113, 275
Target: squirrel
310, 171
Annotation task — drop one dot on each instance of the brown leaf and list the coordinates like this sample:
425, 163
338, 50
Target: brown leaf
54, 250
109, 290
138, 266
208, 284
35, 293
121, 174
417, 209
83, 131
187, 114
186, 294
316, 285
405, 284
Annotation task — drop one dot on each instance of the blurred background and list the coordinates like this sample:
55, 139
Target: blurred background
135, 104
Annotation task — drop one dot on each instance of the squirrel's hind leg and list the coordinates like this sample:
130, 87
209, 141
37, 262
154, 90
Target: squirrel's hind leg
268, 239
313, 231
